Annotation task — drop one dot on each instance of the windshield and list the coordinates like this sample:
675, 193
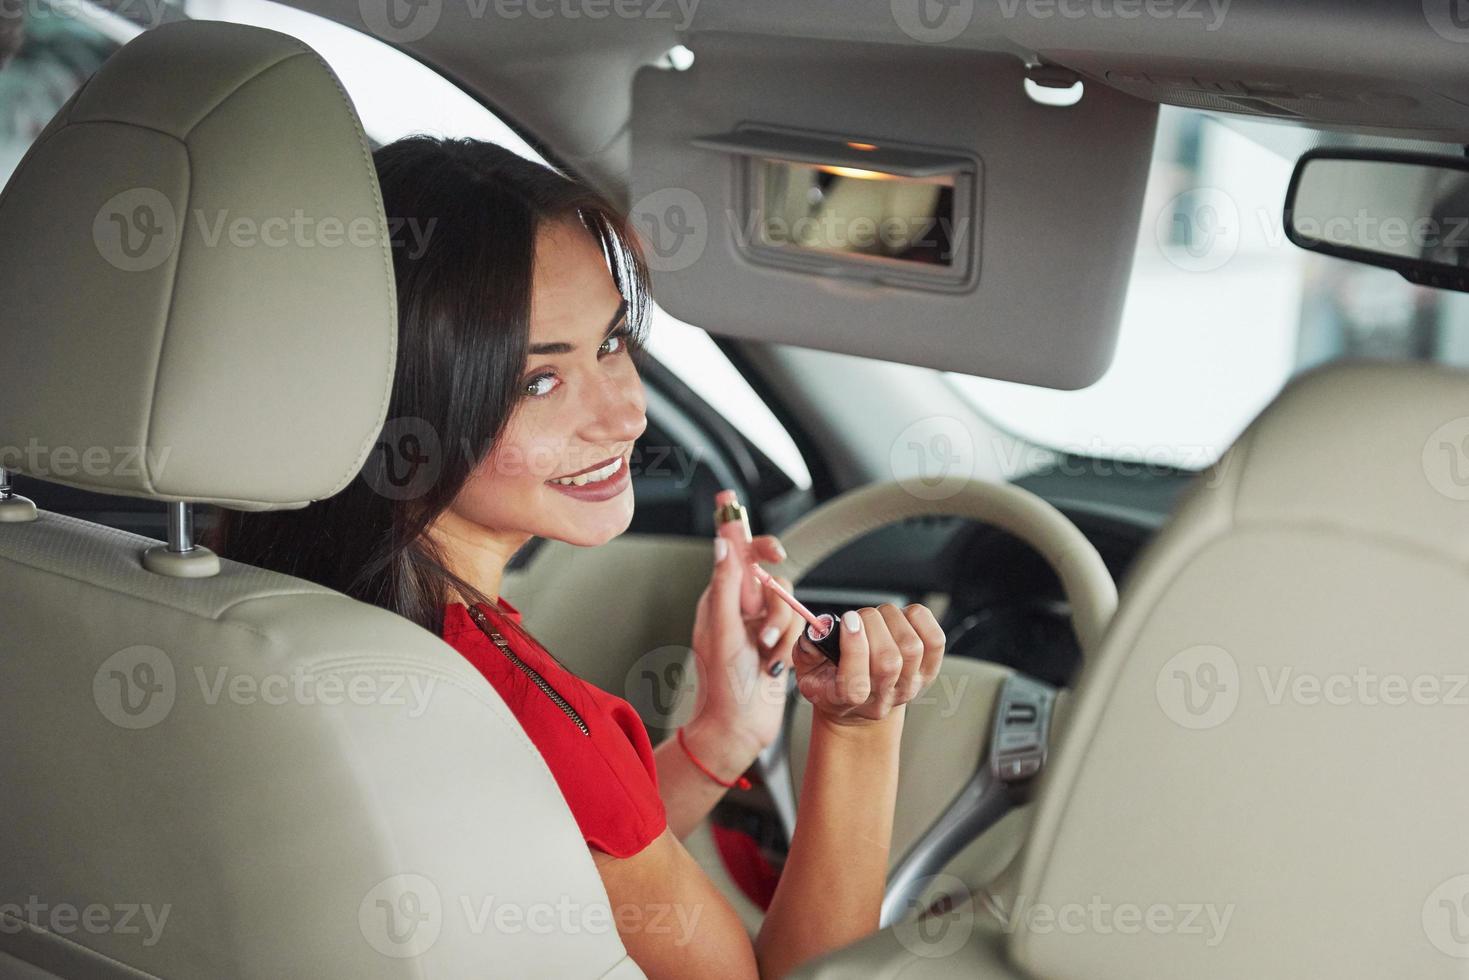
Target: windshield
1222, 309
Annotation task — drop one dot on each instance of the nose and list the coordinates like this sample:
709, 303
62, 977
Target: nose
618, 411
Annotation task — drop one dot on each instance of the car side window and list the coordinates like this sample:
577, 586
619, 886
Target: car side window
51, 53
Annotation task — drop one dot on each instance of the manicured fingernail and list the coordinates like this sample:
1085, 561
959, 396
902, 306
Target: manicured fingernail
852, 621
780, 550
777, 668
769, 635
721, 548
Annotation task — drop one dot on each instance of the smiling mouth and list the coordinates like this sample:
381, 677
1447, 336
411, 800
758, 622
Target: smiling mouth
592, 474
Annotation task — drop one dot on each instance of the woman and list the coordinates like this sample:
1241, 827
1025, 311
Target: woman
522, 306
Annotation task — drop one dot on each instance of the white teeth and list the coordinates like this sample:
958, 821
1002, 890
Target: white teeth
594, 476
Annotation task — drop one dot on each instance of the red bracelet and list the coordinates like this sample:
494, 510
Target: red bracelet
741, 783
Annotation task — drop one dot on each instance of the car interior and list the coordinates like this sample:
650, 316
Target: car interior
1131, 338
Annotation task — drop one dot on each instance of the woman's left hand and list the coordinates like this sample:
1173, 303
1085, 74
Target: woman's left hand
740, 697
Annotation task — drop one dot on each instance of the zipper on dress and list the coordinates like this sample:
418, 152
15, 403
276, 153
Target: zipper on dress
484, 624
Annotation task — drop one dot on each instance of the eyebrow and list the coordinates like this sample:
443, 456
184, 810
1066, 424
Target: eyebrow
561, 347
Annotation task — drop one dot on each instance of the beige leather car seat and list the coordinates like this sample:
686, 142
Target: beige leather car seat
1259, 778
209, 770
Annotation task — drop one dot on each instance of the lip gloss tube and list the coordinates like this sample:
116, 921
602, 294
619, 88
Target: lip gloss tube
825, 638
821, 631
732, 522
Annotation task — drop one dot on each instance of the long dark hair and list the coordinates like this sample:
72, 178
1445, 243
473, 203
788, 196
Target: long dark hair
463, 215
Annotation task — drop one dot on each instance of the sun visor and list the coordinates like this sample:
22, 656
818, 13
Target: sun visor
908, 204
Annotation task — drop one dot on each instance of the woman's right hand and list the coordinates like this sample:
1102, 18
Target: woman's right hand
889, 656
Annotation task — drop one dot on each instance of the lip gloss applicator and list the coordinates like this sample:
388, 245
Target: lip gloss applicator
822, 631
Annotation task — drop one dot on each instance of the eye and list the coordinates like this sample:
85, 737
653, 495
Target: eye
540, 385
615, 343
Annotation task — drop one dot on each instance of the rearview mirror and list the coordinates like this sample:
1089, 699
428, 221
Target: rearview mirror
1403, 211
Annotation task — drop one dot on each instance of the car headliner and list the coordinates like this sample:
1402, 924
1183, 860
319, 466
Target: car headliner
562, 69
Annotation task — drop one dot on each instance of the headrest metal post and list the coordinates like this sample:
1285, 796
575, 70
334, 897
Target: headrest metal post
180, 527
181, 557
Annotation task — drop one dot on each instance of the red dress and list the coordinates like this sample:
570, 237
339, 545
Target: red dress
595, 746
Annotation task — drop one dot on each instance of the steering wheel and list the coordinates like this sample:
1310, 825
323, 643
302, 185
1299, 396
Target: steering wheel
1009, 735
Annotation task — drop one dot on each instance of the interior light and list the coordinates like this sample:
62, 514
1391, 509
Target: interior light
677, 58
855, 172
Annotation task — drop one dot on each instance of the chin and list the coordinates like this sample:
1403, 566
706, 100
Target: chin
589, 538
591, 532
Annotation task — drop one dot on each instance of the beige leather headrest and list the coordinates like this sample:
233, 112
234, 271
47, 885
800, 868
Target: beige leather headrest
199, 299
1376, 448
1260, 775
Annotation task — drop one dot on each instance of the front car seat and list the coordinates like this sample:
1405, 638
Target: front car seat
211, 770
1259, 776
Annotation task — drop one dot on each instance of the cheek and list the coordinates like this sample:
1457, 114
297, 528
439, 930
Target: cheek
527, 453
633, 384
518, 465
503, 490
488, 497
